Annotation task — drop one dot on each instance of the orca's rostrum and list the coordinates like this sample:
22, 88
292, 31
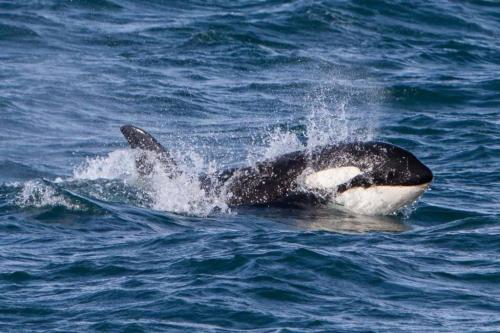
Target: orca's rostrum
363, 177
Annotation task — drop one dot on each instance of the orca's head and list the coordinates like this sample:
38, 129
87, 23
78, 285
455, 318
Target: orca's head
395, 166
370, 177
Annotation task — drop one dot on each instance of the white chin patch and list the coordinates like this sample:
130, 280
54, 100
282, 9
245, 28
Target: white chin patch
378, 200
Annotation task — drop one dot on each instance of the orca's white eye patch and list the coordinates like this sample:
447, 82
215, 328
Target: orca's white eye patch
330, 178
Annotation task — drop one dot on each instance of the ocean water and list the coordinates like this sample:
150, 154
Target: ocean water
86, 246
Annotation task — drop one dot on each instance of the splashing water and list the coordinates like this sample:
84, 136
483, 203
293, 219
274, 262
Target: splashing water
118, 164
334, 114
326, 123
35, 193
331, 118
280, 142
178, 193
183, 192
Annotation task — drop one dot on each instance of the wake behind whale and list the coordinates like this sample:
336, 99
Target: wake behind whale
372, 178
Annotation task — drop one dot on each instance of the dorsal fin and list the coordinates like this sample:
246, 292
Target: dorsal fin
138, 138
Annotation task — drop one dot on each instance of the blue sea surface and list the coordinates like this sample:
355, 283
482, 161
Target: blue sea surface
86, 247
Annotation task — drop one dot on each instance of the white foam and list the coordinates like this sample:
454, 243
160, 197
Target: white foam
178, 193
280, 142
37, 194
183, 192
119, 164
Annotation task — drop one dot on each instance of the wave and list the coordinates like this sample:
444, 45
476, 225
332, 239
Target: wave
180, 194
15, 32
90, 4
38, 194
11, 171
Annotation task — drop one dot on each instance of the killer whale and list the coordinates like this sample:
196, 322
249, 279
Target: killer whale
372, 178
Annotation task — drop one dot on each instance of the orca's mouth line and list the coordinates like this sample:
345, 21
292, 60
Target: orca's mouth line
424, 186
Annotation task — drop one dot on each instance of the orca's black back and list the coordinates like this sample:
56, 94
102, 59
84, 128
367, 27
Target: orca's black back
266, 182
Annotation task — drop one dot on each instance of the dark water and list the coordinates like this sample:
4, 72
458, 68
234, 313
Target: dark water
85, 247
